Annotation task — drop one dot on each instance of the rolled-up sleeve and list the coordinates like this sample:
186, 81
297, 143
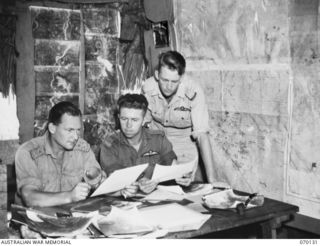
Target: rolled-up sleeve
199, 114
26, 171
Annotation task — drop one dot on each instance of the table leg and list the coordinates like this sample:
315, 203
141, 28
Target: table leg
269, 229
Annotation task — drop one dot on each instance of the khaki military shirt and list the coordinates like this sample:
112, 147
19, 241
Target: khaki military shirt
37, 165
116, 152
186, 114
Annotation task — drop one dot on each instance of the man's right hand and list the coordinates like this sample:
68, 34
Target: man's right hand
130, 190
80, 192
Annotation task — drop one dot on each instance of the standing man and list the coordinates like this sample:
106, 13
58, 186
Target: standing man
178, 107
50, 168
134, 144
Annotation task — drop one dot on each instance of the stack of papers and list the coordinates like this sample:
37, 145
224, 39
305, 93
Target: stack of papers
165, 193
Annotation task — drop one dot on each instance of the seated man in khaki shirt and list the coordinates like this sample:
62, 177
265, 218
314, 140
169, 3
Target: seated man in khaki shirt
50, 168
134, 144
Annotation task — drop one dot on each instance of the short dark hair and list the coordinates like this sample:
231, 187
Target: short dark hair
173, 60
135, 101
61, 108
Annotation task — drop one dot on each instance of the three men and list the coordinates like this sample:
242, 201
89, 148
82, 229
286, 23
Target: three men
50, 168
177, 106
134, 144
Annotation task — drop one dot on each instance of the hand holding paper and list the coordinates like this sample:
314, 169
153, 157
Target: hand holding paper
165, 173
130, 190
185, 180
119, 179
147, 185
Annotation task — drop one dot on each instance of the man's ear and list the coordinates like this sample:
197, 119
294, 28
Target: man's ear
156, 75
146, 120
52, 128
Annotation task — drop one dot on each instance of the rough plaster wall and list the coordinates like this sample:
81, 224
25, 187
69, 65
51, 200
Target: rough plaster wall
239, 52
303, 180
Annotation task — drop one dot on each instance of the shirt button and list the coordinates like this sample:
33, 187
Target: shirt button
167, 121
168, 107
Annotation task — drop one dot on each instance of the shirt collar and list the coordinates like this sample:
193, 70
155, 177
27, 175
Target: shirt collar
124, 140
47, 146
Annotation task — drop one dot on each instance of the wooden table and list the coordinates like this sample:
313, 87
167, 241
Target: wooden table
270, 216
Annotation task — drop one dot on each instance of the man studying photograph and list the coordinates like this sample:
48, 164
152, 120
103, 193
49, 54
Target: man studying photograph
50, 168
134, 144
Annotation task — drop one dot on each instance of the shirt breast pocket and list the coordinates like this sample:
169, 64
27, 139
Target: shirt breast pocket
151, 159
71, 177
158, 115
181, 116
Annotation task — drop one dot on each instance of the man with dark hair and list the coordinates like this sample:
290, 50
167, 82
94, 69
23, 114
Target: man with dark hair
177, 106
134, 144
50, 168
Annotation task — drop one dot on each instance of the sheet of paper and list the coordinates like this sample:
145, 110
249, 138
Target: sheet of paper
165, 173
174, 217
162, 195
123, 221
119, 179
171, 188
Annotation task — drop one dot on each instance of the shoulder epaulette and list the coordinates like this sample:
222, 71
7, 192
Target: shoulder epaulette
108, 141
82, 145
37, 152
156, 132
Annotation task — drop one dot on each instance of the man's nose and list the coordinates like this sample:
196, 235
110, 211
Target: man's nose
76, 134
169, 85
129, 123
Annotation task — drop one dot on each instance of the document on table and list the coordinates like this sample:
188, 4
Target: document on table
174, 217
165, 173
164, 193
120, 179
